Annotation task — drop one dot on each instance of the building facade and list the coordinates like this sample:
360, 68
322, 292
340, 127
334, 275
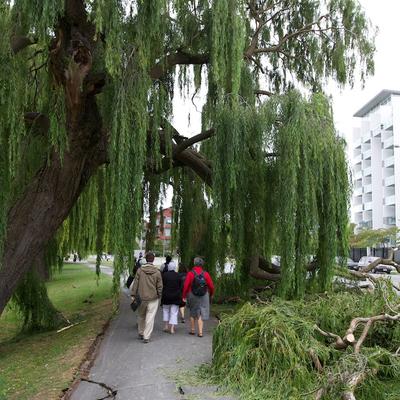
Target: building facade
376, 163
164, 226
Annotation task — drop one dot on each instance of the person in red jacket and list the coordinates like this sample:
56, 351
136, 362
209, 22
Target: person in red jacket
197, 290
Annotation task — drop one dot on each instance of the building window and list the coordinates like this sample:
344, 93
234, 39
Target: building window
167, 232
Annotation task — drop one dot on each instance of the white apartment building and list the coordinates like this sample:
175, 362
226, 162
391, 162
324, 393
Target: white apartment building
376, 163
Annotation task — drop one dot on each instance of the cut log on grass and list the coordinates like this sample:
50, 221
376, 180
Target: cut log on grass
349, 337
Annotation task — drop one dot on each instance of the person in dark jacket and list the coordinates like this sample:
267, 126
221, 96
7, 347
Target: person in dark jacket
171, 297
164, 267
182, 272
132, 274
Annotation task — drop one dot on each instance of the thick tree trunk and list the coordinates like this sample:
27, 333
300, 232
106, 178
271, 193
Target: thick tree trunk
35, 217
41, 267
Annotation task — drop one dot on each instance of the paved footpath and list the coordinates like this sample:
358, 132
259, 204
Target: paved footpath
147, 371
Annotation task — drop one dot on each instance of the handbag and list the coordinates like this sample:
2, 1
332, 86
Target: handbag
136, 303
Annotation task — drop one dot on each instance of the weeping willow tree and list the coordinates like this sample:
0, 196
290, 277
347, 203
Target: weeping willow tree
86, 90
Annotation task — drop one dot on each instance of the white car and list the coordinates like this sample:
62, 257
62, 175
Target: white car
380, 268
383, 268
366, 260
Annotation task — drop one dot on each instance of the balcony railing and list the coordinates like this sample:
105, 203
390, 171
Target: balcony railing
368, 206
357, 159
367, 171
357, 175
389, 162
389, 181
390, 200
357, 143
366, 138
367, 154
388, 142
367, 188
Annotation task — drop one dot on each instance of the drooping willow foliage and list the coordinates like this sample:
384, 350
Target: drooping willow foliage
191, 219
280, 186
279, 183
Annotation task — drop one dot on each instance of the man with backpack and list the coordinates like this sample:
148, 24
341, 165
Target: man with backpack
198, 289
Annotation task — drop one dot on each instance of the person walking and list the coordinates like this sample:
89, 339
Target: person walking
182, 272
198, 289
148, 285
132, 274
171, 297
164, 267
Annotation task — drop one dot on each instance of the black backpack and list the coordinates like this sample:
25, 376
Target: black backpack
199, 285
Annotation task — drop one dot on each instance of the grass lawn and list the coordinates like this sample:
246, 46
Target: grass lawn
39, 366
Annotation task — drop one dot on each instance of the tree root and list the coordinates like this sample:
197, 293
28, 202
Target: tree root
111, 393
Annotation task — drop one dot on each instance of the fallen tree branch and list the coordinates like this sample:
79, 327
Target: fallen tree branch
70, 326
316, 361
339, 342
352, 382
349, 338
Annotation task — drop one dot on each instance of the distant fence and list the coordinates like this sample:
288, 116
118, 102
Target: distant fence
357, 252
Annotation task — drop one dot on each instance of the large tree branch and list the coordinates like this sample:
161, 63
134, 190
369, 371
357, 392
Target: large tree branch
192, 140
277, 47
263, 92
179, 58
191, 159
185, 157
258, 273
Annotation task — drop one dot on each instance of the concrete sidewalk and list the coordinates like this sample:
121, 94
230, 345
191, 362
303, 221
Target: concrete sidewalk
146, 371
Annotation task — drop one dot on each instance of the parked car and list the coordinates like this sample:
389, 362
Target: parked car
349, 262
383, 269
352, 264
366, 260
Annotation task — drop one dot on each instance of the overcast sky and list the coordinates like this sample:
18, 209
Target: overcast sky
383, 13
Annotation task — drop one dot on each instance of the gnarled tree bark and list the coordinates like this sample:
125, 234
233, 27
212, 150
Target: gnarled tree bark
35, 217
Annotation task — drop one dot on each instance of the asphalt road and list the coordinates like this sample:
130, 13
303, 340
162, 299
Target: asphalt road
147, 371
